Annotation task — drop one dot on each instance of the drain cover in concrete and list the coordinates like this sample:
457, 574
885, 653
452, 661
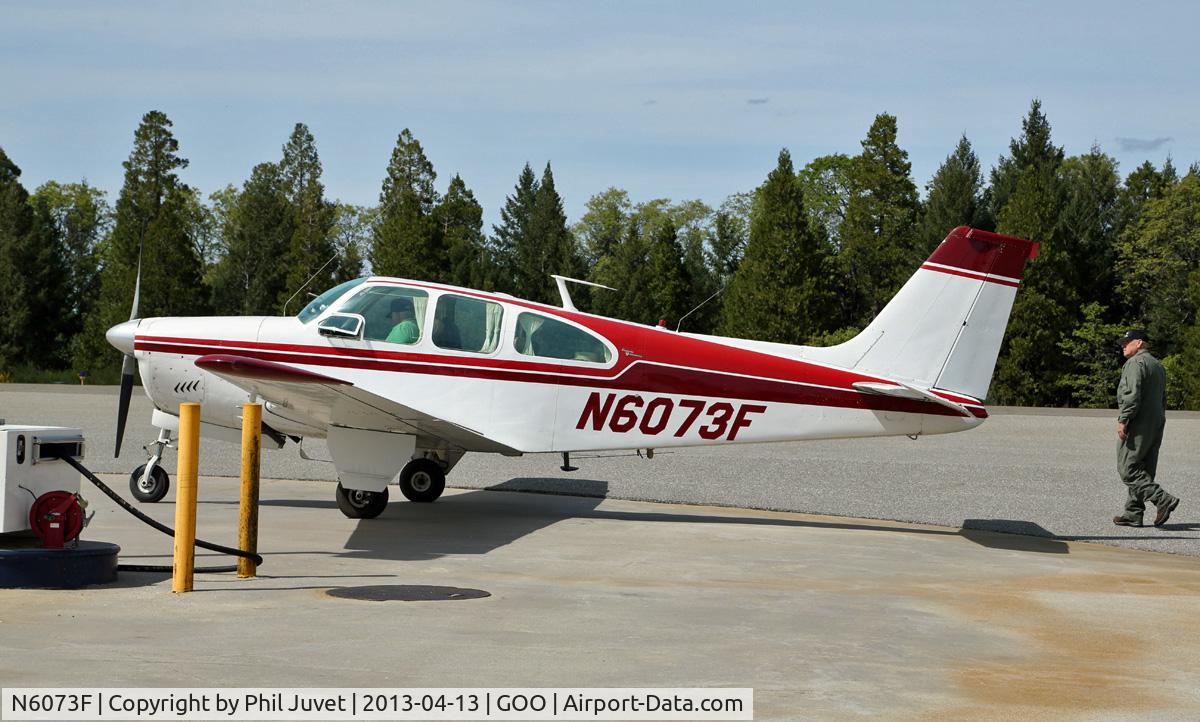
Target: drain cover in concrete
406, 593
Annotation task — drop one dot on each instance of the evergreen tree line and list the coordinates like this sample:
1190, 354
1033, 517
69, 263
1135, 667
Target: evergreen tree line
808, 257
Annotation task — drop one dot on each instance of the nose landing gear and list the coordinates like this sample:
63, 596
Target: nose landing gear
149, 482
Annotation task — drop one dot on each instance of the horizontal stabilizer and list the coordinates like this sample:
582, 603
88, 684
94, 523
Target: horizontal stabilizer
903, 391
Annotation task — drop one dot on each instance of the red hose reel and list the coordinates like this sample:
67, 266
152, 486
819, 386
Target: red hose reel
57, 518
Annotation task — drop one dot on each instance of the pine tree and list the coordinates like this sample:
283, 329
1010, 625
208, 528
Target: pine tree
406, 241
1028, 198
879, 248
460, 221
954, 196
513, 233
1089, 221
626, 269
16, 234
779, 292
310, 249
78, 218
548, 247
256, 234
668, 280
152, 221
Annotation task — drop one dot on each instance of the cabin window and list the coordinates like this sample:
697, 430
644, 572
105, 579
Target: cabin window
322, 302
461, 323
394, 314
539, 335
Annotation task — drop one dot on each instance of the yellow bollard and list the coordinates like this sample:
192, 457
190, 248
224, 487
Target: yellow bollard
185, 498
248, 517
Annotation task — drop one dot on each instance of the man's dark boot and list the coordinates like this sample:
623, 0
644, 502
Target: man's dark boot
1164, 512
1122, 521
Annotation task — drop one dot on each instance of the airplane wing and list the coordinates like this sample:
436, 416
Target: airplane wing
325, 401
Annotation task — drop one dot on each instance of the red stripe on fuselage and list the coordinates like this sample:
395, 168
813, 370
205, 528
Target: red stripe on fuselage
636, 375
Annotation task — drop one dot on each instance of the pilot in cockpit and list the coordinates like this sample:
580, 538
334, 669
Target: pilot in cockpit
404, 324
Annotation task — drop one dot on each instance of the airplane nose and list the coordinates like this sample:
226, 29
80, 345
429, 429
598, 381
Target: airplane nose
121, 336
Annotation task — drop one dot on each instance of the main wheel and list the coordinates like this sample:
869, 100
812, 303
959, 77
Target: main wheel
358, 504
422, 480
150, 490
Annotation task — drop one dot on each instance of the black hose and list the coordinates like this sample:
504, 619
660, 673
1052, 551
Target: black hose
161, 527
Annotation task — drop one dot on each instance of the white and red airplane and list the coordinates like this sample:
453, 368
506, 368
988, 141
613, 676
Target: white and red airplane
471, 371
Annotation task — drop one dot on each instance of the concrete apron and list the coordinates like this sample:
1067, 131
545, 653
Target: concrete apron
822, 616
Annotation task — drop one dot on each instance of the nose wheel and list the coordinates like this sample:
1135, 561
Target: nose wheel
149, 488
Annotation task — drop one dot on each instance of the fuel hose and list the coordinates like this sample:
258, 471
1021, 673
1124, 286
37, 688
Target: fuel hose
258, 560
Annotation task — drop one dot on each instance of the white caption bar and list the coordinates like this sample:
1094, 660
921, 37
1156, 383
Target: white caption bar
606, 703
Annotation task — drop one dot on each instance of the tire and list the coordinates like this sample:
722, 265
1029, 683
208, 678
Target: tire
156, 488
422, 480
356, 504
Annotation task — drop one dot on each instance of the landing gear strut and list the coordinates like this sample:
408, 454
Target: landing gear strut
149, 482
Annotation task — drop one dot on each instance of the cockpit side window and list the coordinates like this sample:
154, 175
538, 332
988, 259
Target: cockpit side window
462, 323
538, 335
394, 314
322, 302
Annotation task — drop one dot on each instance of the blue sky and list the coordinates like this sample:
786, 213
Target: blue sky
665, 99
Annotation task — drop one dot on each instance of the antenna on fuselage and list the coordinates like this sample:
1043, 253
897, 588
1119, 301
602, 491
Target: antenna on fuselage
566, 293
697, 308
310, 280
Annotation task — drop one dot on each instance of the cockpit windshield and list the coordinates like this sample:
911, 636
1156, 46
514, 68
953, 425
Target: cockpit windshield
320, 303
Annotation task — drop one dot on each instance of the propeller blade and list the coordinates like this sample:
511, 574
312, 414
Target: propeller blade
127, 365
123, 400
137, 290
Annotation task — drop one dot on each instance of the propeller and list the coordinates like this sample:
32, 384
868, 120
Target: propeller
127, 365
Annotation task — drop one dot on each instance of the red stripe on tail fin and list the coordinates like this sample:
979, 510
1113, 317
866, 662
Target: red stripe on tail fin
984, 252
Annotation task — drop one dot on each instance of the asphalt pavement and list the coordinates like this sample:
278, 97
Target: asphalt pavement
1040, 472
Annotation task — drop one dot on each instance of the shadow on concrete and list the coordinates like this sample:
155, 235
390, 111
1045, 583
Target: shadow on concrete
1013, 535
476, 522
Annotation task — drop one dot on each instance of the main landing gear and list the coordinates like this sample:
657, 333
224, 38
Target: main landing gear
421, 480
149, 482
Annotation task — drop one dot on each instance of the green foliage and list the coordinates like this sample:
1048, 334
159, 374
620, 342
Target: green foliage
1029, 200
1089, 220
16, 235
1092, 346
513, 233
955, 197
827, 185
257, 231
310, 258
878, 238
460, 220
604, 220
549, 247
729, 235
351, 235
1158, 258
406, 241
155, 219
779, 292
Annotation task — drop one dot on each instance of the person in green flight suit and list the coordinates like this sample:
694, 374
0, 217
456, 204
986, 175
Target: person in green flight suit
405, 329
1142, 406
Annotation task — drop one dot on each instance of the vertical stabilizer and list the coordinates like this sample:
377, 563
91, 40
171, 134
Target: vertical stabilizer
944, 328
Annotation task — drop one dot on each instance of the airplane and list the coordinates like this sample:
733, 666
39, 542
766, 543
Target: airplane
403, 377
